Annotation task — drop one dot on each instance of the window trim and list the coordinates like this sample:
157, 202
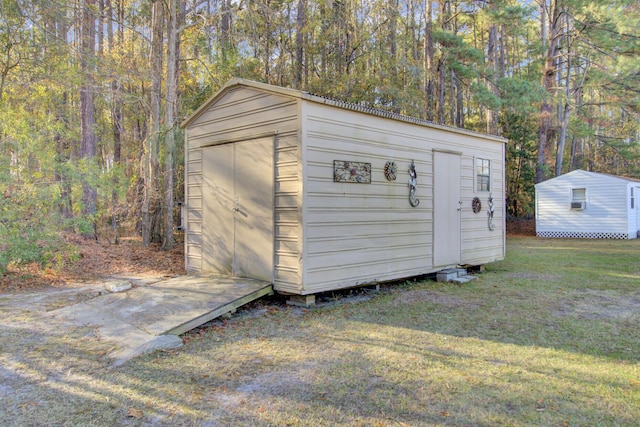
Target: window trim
573, 195
480, 166
579, 202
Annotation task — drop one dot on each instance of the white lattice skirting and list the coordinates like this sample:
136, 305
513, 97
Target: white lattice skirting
581, 235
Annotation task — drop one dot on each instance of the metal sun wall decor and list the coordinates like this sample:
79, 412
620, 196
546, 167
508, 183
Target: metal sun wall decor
413, 182
390, 170
347, 171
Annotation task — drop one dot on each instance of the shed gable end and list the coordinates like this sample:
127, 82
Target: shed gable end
237, 114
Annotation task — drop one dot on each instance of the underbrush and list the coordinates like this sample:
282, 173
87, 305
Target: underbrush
23, 246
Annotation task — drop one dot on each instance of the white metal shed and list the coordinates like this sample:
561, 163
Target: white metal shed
313, 194
590, 205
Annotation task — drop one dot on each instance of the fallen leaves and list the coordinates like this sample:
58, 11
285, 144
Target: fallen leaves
97, 259
24, 406
135, 413
540, 406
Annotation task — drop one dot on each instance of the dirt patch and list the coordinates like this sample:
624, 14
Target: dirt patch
533, 276
606, 304
418, 296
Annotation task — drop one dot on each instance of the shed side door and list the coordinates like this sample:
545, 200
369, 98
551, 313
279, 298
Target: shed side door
446, 209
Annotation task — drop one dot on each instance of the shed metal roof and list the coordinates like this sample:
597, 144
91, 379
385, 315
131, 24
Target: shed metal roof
294, 93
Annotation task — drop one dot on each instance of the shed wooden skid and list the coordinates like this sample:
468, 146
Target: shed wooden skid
582, 204
262, 201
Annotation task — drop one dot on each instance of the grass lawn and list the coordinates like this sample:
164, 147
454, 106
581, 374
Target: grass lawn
548, 337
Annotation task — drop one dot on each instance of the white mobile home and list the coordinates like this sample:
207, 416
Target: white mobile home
313, 194
588, 205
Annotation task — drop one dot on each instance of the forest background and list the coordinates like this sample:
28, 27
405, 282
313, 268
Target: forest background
92, 93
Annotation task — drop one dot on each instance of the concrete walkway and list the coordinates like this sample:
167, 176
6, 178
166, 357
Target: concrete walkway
147, 318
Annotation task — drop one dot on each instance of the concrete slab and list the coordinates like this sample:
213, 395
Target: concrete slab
446, 275
463, 279
461, 271
148, 318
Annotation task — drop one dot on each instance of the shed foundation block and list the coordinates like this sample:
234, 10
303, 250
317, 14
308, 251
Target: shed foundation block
302, 300
452, 275
447, 275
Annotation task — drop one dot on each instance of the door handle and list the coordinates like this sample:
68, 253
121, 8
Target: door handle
459, 205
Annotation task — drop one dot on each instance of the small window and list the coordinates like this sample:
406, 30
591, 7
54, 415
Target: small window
578, 198
483, 174
633, 201
578, 194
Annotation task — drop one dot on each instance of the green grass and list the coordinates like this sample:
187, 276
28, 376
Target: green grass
548, 337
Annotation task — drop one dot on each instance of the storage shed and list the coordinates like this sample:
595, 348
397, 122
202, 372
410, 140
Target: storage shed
314, 194
588, 205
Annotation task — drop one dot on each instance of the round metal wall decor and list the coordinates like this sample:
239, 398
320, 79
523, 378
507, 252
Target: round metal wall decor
476, 205
390, 170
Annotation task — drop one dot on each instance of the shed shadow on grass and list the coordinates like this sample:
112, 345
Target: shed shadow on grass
531, 348
373, 362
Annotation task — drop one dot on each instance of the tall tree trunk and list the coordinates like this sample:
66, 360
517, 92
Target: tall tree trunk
573, 89
62, 159
88, 137
452, 97
445, 17
58, 28
546, 128
460, 104
441, 92
492, 78
266, 39
392, 42
151, 202
170, 118
428, 59
577, 143
341, 36
301, 24
117, 114
562, 137
564, 109
225, 30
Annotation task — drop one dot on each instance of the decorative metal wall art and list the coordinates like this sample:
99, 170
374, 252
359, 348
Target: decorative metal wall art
390, 170
413, 182
490, 214
346, 171
476, 206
